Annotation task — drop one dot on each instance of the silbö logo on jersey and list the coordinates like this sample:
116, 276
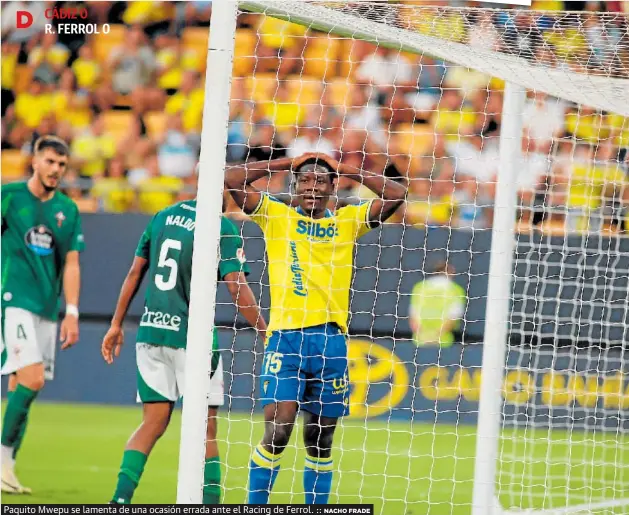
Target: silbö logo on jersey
40, 240
317, 231
297, 271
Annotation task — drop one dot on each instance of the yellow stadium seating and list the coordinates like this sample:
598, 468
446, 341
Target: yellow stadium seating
87, 205
321, 57
261, 87
339, 91
155, 123
196, 39
305, 90
414, 140
23, 74
105, 43
13, 164
117, 123
244, 52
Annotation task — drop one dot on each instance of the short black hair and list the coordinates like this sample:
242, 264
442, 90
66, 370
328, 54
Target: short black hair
52, 142
319, 162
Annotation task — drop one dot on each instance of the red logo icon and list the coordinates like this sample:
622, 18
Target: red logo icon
24, 19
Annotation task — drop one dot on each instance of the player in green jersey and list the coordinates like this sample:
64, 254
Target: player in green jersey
41, 241
165, 252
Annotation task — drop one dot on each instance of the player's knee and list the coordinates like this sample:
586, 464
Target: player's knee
277, 436
318, 440
32, 377
156, 425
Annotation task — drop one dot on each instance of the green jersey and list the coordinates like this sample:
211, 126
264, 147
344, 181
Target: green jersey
167, 245
36, 237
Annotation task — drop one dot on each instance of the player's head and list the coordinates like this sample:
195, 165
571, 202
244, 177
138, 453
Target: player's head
443, 268
50, 161
313, 184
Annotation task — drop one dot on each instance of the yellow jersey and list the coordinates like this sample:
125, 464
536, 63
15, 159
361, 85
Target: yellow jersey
310, 262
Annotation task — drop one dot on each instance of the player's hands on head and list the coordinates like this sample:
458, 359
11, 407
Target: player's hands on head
69, 331
112, 344
319, 156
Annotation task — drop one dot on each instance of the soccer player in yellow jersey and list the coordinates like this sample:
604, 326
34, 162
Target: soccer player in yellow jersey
310, 253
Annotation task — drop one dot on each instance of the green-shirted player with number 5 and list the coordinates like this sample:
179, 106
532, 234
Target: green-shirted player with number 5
165, 252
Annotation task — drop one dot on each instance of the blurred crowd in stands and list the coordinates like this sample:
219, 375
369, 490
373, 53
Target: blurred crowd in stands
130, 104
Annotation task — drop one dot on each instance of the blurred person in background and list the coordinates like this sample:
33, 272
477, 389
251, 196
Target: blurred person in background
309, 138
92, 148
10, 54
176, 151
113, 191
172, 60
429, 203
32, 105
483, 34
11, 33
281, 46
188, 101
384, 69
239, 128
437, 305
543, 118
283, 111
265, 144
132, 67
589, 184
453, 116
135, 148
156, 191
48, 59
197, 12
87, 69
69, 104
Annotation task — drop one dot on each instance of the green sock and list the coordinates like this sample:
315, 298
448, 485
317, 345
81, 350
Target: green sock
21, 432
129, 476
15, 416
212, 481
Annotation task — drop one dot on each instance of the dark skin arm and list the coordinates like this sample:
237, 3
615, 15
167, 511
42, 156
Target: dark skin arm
114, 338
245, 300
238, 180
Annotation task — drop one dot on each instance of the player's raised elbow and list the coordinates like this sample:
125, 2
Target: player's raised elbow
235, 179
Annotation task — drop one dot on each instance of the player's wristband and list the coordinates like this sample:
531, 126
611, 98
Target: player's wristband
73, 310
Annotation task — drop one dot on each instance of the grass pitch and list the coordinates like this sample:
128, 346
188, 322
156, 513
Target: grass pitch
71, 455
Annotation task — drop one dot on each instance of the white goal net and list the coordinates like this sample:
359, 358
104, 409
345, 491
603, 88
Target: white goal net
416, 91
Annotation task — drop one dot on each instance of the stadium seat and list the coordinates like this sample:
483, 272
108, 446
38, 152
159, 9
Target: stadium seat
13, 164
155, 122
105, 43
87, 205
305, 90
414, 140
117, 123
23, 74
339, 91
321, 57
196, 39
262, 87
244, 53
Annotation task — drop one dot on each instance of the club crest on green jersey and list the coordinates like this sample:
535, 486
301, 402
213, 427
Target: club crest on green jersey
40, 240
60, 218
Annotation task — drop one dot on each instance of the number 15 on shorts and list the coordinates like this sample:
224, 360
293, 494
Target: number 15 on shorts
272, 362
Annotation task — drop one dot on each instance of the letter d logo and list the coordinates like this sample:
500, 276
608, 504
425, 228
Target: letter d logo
24, 19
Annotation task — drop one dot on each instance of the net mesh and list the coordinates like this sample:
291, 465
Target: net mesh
415, 91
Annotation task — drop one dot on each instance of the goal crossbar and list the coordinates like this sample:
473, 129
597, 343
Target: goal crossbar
607, 93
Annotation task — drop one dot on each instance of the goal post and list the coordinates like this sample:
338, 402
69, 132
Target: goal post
205, 254
515, 465
498, 303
